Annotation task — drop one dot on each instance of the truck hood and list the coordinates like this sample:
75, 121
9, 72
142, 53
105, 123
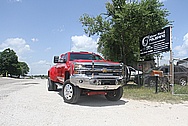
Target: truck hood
96, 62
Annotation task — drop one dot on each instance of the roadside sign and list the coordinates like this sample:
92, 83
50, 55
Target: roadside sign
155, 43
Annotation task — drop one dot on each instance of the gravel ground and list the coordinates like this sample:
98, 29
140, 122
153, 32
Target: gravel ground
30, 104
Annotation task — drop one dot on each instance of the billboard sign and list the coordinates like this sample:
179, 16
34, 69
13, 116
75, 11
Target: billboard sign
155, 43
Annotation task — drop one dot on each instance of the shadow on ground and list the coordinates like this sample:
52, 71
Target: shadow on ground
97, 101
30, 83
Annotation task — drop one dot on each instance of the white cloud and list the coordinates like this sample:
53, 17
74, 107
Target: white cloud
83, 43
15, 1
56, 30
162, 0
19, 45
34, 40
41, 62
19, 0
165, 59
39, 67
181, 50
47, 49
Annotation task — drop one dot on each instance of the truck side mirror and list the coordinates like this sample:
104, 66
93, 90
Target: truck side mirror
56, 59
62, 61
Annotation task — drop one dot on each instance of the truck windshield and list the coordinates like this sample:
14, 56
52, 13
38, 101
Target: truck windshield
78, 56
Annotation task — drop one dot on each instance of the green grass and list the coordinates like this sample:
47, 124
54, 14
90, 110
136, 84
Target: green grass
146, 93
180, 89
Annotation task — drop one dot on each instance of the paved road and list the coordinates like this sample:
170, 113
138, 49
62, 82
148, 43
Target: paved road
28, 103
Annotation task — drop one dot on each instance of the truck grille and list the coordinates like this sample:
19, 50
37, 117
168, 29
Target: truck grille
102, 66
101, 70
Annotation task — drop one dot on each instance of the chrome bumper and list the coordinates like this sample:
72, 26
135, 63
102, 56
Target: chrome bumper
95, 83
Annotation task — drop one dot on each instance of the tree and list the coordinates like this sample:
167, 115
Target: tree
121, 27
9, 64
8, 61
23, 68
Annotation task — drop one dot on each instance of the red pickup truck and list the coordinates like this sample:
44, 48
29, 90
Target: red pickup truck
85, 73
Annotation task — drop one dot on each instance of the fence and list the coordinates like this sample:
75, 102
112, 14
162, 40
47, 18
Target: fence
180, 85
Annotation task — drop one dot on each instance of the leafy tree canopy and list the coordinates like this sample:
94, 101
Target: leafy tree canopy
9, 64
121, 27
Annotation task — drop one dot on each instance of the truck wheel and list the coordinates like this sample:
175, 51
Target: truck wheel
114, 95
51, 85
70, 93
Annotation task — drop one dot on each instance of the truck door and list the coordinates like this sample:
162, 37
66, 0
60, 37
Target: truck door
60, 68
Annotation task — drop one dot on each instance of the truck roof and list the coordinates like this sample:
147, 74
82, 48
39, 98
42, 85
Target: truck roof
82, 52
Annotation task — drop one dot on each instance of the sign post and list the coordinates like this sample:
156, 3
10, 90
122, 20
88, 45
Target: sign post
171, 63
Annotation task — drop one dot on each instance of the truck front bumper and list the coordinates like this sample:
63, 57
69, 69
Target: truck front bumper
97, 82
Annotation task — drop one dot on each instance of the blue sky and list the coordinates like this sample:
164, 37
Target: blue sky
39, 29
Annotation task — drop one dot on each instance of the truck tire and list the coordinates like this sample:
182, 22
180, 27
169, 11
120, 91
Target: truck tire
70, 93
114, 95
51, 85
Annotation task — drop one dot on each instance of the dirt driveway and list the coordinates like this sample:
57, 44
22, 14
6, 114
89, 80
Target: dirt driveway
28, 103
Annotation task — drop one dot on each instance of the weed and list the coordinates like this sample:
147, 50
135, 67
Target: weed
146, 93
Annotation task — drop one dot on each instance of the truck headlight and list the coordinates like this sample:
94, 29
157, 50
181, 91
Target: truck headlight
78, 68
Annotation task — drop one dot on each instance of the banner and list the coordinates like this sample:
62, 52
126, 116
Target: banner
155, 43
